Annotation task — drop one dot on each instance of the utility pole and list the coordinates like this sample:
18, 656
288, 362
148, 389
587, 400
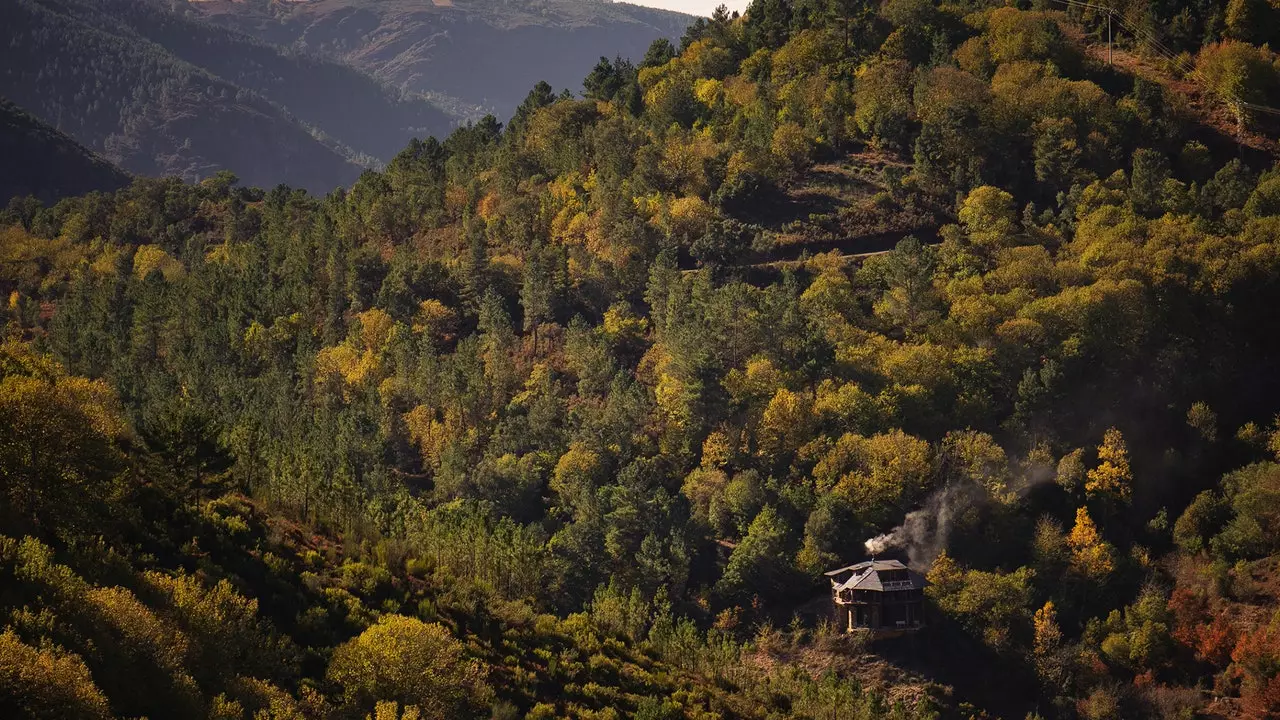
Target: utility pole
1108, 37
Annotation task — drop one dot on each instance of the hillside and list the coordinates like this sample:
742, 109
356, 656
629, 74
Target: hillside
568, 416
159, 94
343, 103
471, 55
42, 162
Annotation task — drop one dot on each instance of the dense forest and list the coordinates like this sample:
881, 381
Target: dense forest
566, 416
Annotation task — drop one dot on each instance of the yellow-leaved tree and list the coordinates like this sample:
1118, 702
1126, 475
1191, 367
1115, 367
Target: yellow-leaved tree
47, 683
1091, 556
989, 219
785, 422
405, 660
59, 442
152, 258
1048, 634
576, 475
1112, 477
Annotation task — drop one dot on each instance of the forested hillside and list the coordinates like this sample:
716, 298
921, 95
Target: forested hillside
161, 94
565, 418
43, 163
468, 55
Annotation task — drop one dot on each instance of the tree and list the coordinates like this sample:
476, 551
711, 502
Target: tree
229, 638
768, 23
1112, 477
1091, 556
603, 82
974, 457
540, 96
883, 101
1202, 419
759, 565
59, 440
390, 710
1015, 34
784, 424
1057, 152
1265, 200
46, 684
992, 606
660, 52
909, 301
1249, 20
989, 219
1204, 517
541, 286
405, 660
1047, 633
1237, 73
1147, 184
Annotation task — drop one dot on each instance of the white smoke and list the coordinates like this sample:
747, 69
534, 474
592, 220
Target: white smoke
925, 531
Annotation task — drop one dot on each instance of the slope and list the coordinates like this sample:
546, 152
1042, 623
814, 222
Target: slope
476, 54
484, 359
43, 162
91, 70
152, 595
345, 104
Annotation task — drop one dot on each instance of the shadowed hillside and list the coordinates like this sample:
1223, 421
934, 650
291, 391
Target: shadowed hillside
160, 94
40, 161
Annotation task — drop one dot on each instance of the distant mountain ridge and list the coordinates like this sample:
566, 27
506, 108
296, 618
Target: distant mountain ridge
305, 94
159, 93
38, 160
476, 54
344, 103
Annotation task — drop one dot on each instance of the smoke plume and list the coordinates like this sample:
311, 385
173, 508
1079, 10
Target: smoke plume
924, 532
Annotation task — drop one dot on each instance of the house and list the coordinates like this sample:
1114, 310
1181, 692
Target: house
880, 595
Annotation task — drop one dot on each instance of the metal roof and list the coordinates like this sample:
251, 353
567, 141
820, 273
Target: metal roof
866, 576
873, 564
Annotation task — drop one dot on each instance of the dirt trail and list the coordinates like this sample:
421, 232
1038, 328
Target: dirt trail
765, 265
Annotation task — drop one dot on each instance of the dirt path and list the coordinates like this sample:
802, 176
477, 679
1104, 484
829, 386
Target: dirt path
768, 264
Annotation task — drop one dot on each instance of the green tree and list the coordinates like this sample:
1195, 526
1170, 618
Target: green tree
909, 300
759, 564
1147, 184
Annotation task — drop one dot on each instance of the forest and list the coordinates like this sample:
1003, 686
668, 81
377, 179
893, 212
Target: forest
565, 416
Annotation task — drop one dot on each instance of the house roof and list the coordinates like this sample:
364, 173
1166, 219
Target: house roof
872, 564
866, 576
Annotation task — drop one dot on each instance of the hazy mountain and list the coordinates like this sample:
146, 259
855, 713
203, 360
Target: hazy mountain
40, 161
468, 54
159, 93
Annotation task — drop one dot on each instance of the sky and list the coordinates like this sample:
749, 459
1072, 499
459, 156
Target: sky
693, 7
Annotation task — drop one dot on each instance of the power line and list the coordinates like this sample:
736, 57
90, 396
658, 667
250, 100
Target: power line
1178, 60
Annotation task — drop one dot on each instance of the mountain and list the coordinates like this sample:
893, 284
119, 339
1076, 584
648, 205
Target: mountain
40, 161
162, 94
570, 416
473, 55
